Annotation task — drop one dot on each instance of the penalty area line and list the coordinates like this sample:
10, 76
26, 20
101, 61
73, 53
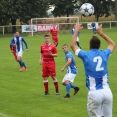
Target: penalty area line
4, 115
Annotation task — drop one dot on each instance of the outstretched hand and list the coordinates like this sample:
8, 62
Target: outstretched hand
78, 27
99, 29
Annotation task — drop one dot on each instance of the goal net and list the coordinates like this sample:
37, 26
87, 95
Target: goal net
43, 25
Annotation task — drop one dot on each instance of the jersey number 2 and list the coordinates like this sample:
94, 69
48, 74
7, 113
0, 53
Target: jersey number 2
98, 59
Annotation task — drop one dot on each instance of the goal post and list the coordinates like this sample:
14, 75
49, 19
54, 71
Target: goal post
64, 24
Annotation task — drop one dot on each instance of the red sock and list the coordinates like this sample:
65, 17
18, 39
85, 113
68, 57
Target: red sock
56, 85
46, 86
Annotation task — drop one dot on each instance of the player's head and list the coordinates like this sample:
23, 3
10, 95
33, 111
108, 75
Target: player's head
17, 34
47, 38
95, 42
65, 48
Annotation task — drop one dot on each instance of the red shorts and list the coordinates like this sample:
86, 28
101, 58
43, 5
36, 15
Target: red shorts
13, 51
55, 39
15, 56
48, 69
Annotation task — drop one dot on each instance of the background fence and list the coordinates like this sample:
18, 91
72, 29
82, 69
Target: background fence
64, 27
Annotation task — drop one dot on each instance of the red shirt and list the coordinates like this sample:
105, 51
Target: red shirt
45, 49
54, 32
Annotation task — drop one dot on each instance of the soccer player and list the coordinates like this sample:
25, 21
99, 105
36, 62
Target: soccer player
100, 98
93, 25
54, 32
71, 71
47, 54
13, 48
18, 43
77, 39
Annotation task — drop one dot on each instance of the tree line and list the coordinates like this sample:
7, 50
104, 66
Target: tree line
11, 10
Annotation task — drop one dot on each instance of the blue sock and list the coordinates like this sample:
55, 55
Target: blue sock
68, 88
72, 86
19, 63
23, 64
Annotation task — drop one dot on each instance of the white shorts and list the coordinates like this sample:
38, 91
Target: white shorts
20, 53
100, 103
69, 77
77, 39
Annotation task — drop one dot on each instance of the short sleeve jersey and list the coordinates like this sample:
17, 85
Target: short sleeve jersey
45, 49
95, 64
72, 67
53, 32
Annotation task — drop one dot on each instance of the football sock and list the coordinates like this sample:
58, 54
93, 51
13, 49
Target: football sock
19, 63
23, 64
72, 86
46, 85
68, 88
56, 84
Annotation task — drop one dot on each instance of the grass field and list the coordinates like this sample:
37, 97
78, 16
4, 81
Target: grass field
21, 93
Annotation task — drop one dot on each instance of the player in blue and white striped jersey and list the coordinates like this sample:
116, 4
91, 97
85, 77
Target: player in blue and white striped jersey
18, 43
93, 25
13, 50
77, 38
100, 98
71, 71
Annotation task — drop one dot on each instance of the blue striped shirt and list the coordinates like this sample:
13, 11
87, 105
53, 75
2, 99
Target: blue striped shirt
72, 67
95, 64
19, 43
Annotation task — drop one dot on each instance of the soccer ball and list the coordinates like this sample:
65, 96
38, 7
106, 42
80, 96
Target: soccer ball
86, 9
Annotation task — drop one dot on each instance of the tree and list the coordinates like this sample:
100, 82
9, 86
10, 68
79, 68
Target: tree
3, 19
33, 9
116, 10
63, 7
24, 10
1, 13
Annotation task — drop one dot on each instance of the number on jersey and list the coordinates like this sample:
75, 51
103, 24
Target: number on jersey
98, 59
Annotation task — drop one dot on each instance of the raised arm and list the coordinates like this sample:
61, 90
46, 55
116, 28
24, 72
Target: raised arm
74, 47
111, 43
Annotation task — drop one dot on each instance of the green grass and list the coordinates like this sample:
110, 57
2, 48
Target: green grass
21, 93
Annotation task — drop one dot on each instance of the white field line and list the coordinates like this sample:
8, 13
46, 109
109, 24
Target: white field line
4, 115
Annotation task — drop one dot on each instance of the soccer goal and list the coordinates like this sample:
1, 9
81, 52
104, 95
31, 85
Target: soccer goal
43, 25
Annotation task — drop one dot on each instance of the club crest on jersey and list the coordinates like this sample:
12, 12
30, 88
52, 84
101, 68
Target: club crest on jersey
50, 48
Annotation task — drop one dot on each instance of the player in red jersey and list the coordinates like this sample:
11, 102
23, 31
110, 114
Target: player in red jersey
13, 49
54, 33
47, 54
